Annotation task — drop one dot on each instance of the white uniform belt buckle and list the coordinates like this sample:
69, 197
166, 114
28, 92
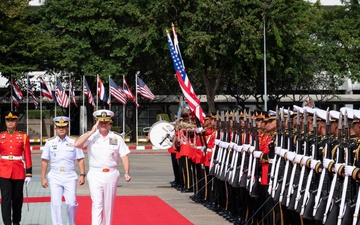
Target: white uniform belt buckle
62, 169
11, 157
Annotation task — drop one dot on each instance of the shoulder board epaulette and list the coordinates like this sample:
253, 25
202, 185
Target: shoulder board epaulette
71, 137
2, 131
117, 133
22, 132
52, 138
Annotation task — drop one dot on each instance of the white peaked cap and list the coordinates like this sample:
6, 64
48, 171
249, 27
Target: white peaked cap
320, 113
356, 113
298, 109
348, 111
309, 110
334, 114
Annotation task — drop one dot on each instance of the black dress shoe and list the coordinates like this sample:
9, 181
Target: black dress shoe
185, 190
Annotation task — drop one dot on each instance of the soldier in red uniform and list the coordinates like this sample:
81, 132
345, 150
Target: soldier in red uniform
15, 168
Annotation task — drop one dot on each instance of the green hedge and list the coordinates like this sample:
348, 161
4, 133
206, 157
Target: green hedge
163, 117
35, 114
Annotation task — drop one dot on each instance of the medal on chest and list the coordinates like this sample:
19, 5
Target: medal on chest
113, 141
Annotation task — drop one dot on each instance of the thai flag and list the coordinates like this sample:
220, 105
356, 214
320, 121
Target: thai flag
128, 92
101, 90
16, 93
44, 89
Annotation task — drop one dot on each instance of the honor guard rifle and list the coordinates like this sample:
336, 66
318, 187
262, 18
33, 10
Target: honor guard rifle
323, 188
347, 188
244, 153
221, 135
302, 162
313, 177
339, 159
250, 150
226, 145
291, 187
231, 151
216, 146
290, 151
235, 160
272, 171
254, 180
279, 160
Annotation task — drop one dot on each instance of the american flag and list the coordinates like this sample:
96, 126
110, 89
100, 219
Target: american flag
72, 93
128, 92
44, 89
32, 94
61, 96
184, 82
176, 45
142, 89
101, 90
16, 93
87, 92
117, 92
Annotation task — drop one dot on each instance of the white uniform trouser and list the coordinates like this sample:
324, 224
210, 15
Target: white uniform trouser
103, 187
63, 184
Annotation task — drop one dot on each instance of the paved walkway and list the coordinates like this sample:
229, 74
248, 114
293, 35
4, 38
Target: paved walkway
151, 173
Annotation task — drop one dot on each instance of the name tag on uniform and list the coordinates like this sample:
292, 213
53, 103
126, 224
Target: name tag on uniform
113, 141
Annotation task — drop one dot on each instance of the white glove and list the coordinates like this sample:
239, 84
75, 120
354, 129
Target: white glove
231, 144
290, 156
304, 160
202, 148
277, 150
251, 149
349, 170
246, 147
298, 158
282, 152
239, 148
226, 144
217, 141
257, 154
313, 163
198, 130
337, 166
326, 162
27, 180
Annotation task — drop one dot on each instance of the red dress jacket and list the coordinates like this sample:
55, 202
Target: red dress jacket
11, 147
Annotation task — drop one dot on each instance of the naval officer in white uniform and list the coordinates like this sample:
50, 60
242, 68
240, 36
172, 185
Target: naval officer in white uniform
61, 152
104, 149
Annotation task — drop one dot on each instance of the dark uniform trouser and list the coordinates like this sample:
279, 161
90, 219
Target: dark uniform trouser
11, 198
175, 166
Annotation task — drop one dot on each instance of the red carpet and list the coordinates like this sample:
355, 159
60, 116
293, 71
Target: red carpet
130, 210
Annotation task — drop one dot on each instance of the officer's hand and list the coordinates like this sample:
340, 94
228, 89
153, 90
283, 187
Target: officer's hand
95, 127
27, 180
81, 180
127, 177
44, 183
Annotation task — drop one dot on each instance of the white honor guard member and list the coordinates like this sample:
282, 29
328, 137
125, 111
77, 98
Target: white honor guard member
62, 178
104, 149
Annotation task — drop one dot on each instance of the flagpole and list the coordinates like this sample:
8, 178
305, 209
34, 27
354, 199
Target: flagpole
97, 91
109, 100
136, 110
27, 105
69, 103
41, 99
11, 94
83, 107
124, 113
